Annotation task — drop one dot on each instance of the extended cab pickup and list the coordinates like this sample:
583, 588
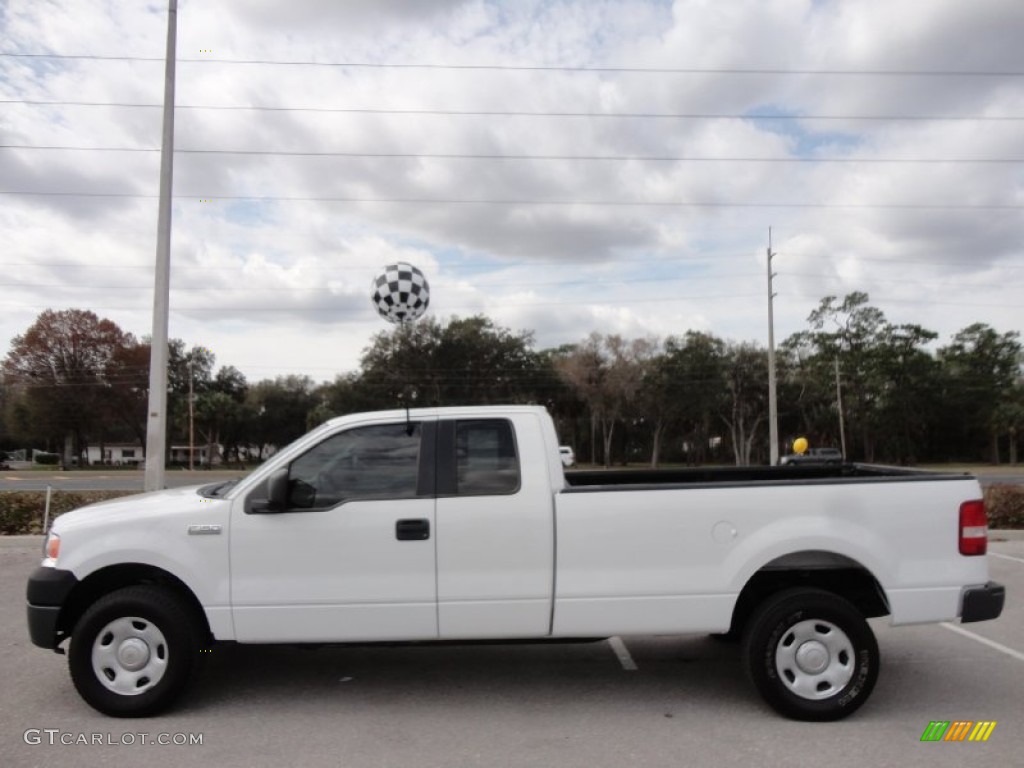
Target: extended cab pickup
461, 524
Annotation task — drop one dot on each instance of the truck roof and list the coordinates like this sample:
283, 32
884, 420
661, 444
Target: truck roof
438, 412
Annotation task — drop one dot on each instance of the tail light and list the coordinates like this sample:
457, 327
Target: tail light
973, 528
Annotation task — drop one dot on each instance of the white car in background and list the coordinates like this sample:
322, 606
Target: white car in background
814, 456
568, 456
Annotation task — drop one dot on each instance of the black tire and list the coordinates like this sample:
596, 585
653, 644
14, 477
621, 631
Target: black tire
134, 651
811, 654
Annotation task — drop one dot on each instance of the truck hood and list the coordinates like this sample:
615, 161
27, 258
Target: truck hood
136, 508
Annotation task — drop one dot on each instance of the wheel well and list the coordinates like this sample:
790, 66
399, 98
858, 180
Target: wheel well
833, 573
114, 577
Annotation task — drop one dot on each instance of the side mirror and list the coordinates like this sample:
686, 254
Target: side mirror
277, 494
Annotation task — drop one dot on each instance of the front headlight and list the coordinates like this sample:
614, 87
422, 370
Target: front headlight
51, 550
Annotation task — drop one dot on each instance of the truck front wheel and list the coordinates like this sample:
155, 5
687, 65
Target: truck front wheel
811, 654
134, 651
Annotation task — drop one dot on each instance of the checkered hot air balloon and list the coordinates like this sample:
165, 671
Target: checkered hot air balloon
400, 293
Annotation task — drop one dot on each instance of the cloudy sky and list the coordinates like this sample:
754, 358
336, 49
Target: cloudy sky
561, 166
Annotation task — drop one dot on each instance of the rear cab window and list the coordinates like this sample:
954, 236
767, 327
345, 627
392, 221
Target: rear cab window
486, 460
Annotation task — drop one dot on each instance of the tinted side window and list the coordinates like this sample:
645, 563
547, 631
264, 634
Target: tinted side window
485, 457
378, 462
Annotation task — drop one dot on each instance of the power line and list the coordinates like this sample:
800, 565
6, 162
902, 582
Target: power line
494, 156
73, 265
535, 67
885, 300
521, 113
595, 282
608, 281
552, 203
360, 310
656, 263
236, 311
670, 261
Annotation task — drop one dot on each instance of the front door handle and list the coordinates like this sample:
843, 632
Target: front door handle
412, 530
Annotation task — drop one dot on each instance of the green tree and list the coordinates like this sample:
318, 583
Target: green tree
7, 431
188, 367
62, 365
606, 372
468, 361
581, 367
887, 379
849, 331
281, 410
1010, 418
127, 399
983, 368
680, 393
691, 372
656, 401
745, 405
807, 399
549, 389
231, 382
909, 402
222, 415
348, 393
642, 416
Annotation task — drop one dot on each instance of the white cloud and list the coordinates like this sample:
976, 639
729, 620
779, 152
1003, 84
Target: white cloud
272, 273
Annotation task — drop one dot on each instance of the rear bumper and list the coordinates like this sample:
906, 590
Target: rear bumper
48, 589
983, 603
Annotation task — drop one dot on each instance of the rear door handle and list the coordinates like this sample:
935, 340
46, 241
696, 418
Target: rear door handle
412, 530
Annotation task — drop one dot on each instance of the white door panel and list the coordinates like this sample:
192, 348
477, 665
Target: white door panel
494, 559
496, 551
338, 574
353, 558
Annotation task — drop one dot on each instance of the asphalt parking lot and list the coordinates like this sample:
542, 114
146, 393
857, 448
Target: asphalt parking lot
649, 701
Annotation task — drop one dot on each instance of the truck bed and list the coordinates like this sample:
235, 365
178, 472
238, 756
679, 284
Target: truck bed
639, 479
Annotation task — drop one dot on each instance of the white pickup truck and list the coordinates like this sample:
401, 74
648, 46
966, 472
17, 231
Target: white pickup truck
461, 524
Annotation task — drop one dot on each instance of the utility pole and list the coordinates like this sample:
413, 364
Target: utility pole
773, 409
156, 426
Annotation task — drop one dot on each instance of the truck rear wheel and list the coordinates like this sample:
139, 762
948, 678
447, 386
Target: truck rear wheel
134, 651
811, 654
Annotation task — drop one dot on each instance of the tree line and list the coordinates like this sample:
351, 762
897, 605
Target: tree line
74, 378
883, 392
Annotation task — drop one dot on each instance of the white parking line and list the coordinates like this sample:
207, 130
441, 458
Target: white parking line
985, 641
623, 653
1007, 557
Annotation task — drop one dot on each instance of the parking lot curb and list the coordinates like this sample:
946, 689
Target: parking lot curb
1006, 535
12, 541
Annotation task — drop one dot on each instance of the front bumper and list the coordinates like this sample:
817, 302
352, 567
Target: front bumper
983, 603
47, 591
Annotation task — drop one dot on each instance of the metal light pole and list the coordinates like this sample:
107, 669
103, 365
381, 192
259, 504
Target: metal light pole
156, 427
773, 410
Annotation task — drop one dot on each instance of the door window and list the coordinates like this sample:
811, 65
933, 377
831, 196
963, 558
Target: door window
378, 462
